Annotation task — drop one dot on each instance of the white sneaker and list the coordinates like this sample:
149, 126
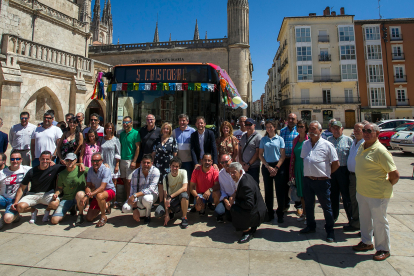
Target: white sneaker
46, 216
33, 217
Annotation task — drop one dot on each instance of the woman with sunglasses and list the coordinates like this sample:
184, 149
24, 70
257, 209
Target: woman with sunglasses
296, 163
71, 141
227, 143
272, 155
91, 146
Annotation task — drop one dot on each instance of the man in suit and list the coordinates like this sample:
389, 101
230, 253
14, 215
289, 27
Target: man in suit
248, 209
4, 139
203, 141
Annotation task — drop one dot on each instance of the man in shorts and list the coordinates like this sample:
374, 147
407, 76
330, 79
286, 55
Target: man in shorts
99, 188
71, 183
43, 180
10, 179
175, 194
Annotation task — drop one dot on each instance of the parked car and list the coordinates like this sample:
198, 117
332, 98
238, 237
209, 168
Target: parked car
407, 145
388, 125
403, 137
385, 137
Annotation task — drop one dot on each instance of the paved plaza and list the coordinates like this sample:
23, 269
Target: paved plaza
124, 247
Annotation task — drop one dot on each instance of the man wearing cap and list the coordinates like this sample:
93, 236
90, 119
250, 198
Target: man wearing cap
249, 150
69, 183
327, 133
340, 178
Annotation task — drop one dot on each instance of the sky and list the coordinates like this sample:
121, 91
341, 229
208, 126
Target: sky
134, 22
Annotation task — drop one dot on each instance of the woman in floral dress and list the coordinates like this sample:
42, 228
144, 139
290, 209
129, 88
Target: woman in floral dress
164, 149
227, 143
71, 141
91, 146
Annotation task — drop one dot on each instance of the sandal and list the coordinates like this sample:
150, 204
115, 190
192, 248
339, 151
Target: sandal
101, 222
108, 210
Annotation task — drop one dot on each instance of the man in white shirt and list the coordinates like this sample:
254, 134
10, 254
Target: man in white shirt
242, 130
354, 222
45, 138
10, 179
94, 122
320, 160
20, 137
227, 190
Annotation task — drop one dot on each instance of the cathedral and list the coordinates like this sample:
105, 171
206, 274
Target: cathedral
231, 53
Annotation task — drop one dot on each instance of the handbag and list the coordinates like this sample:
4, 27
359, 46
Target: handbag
293, 192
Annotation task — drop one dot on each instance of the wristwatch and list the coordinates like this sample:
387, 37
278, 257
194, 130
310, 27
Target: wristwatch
248, 164
276, 167
135, 196
211, 190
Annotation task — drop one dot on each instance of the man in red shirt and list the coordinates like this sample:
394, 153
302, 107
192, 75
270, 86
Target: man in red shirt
204, 181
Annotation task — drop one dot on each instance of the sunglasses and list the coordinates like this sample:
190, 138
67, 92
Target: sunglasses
24, 118
300, 126
48, 118
96, 161
15, 159
225, 162
125, 123
248, 124
150, 119
94, 120
367, 131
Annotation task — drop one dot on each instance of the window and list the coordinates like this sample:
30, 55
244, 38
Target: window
304, 53
348, 95
305, 72
348, 52
399, 72
401, 96
303, 34
346, 33
326, 96
377, 96
376, 73
372, 33
373, 52
349, 72
324, 55
323, 36
395, 33
397, 52
304, 96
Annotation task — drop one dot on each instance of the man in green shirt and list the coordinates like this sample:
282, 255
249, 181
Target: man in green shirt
69, 183
130, 143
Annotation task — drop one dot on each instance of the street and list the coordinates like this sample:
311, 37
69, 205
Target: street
125, 247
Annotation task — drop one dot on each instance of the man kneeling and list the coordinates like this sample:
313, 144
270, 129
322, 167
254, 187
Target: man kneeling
175, 194
99, 188
144, 190
72, 183
249, 209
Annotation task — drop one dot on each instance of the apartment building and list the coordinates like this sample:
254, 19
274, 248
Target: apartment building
272, 87
385, 68
318, 68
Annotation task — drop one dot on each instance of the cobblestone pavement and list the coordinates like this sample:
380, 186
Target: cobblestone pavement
124, 247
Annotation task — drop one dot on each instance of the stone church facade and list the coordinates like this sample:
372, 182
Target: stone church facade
44, 61
231, 53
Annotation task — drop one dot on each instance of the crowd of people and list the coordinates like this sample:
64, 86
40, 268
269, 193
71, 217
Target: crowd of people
182, 170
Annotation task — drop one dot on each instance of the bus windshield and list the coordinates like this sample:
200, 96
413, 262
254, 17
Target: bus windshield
165, 91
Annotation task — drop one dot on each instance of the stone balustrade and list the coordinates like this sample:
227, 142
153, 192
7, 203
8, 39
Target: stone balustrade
202, 43
22, 47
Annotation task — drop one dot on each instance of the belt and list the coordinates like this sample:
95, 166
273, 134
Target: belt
352, 173
20, 149
317, 178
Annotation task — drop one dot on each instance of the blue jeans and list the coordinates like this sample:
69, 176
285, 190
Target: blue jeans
221, 210
322, 189
64, 207
6, 203
255, 173
210, 199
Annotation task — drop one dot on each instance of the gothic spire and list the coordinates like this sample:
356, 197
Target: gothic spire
196, 34
156, 36
206, 34
108, 10
170, 37
104, 14
97, 10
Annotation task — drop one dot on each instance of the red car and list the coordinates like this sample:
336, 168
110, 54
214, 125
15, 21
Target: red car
385, 137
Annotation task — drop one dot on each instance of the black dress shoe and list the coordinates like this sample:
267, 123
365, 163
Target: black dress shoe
330, 237
307, 230
147, 220
280, 220
349, 228
247, 236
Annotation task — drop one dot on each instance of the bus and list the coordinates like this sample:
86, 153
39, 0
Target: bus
165, 90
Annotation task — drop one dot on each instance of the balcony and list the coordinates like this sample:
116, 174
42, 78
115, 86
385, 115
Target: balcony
324, 57
397, 38
400, 78
285, 83
398, 56
321, 100
323, 38
330, 78
403, 102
